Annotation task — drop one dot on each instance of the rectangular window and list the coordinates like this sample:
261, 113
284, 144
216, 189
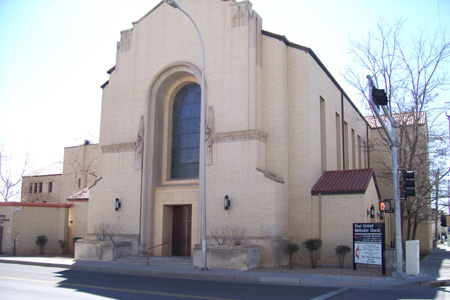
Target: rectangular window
359, 153
50, 187
323, 135
364, 148
346, 144
353, 149
79, 183
35, 187
40, 187
338, 142
30, 190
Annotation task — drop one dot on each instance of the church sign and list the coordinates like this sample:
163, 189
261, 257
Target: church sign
368, 244
3, 219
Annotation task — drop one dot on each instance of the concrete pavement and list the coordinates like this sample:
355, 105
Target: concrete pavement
435, 271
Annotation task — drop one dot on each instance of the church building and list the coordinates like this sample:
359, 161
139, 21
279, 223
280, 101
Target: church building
276, 122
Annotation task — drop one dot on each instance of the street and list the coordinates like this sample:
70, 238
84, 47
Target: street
36, 282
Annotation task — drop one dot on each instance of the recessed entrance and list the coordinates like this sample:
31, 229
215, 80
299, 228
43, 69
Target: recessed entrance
181, 230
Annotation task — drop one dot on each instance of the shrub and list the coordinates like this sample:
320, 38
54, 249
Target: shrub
341, 253
234, 234
237, 235
220, 235
104, 232
62, 244
41, 240
313, 246
291, 250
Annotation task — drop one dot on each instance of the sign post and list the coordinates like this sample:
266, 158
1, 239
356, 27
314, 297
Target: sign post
368, 245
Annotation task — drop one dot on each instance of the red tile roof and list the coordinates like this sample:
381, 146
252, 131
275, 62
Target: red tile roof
347, 182
80, 195
28, 204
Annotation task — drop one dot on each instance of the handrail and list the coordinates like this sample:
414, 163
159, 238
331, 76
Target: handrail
158, 246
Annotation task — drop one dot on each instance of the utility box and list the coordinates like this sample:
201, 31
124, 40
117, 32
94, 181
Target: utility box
412, 257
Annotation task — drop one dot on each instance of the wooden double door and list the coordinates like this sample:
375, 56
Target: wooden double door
181, 230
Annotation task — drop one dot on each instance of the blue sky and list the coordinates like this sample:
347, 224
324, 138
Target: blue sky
54, 55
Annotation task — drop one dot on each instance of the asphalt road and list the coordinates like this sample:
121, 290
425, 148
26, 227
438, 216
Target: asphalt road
34, 282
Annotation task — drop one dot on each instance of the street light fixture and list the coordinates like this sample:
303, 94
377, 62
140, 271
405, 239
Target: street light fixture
202, 171
173, 3
390, 131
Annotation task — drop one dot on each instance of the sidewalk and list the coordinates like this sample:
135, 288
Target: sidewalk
435, 271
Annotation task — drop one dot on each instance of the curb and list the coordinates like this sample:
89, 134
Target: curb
33, 263
315, 280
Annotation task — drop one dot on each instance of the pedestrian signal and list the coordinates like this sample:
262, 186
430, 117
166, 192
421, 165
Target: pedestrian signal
385, 206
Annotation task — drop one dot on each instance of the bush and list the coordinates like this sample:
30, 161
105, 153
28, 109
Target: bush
313, 246
341, 253
291, 250
234, 234
41, 240
62, 244
237, 235
104, 232
220, 235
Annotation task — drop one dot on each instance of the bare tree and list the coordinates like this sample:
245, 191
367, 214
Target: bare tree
10, 184
104, 231
413, 73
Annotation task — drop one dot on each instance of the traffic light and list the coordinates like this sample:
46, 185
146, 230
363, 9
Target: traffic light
408, 184
379, 97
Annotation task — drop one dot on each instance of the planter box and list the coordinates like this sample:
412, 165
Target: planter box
101, 250
228, 257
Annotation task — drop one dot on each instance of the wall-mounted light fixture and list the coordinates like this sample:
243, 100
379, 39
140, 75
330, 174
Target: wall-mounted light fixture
117, 206
371, 212
226, 202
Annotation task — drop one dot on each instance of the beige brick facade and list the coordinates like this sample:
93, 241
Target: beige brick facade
277, 119
267, 153
54, 184
382, 163
23, 222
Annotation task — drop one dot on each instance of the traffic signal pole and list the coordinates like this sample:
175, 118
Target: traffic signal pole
390, 130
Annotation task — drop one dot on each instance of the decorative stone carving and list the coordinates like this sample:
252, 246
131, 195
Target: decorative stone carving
209, 134
235, 136
139, 147
125, 41
241, 13
116, 148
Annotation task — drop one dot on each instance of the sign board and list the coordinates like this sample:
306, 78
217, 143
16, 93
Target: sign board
3, 219
368, 244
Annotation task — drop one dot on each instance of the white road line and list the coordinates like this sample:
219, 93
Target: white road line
331, 294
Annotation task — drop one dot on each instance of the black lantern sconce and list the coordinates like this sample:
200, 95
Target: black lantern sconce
371, 212
226, 202
117, 206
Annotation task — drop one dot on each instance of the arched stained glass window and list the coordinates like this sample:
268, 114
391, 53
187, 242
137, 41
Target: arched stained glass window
186, 133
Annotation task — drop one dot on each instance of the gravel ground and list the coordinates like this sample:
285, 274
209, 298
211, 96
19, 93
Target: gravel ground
362, 270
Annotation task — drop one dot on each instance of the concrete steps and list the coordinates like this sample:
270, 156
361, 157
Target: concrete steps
172, 261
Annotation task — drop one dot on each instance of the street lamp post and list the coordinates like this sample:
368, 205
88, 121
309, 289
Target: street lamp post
391, 132
202, 175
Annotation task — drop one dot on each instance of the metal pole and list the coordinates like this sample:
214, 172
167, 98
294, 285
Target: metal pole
448, 117
202, 171
390, 131
397, 208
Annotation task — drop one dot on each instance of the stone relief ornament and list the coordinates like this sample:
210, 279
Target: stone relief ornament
209, 134
139, 146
